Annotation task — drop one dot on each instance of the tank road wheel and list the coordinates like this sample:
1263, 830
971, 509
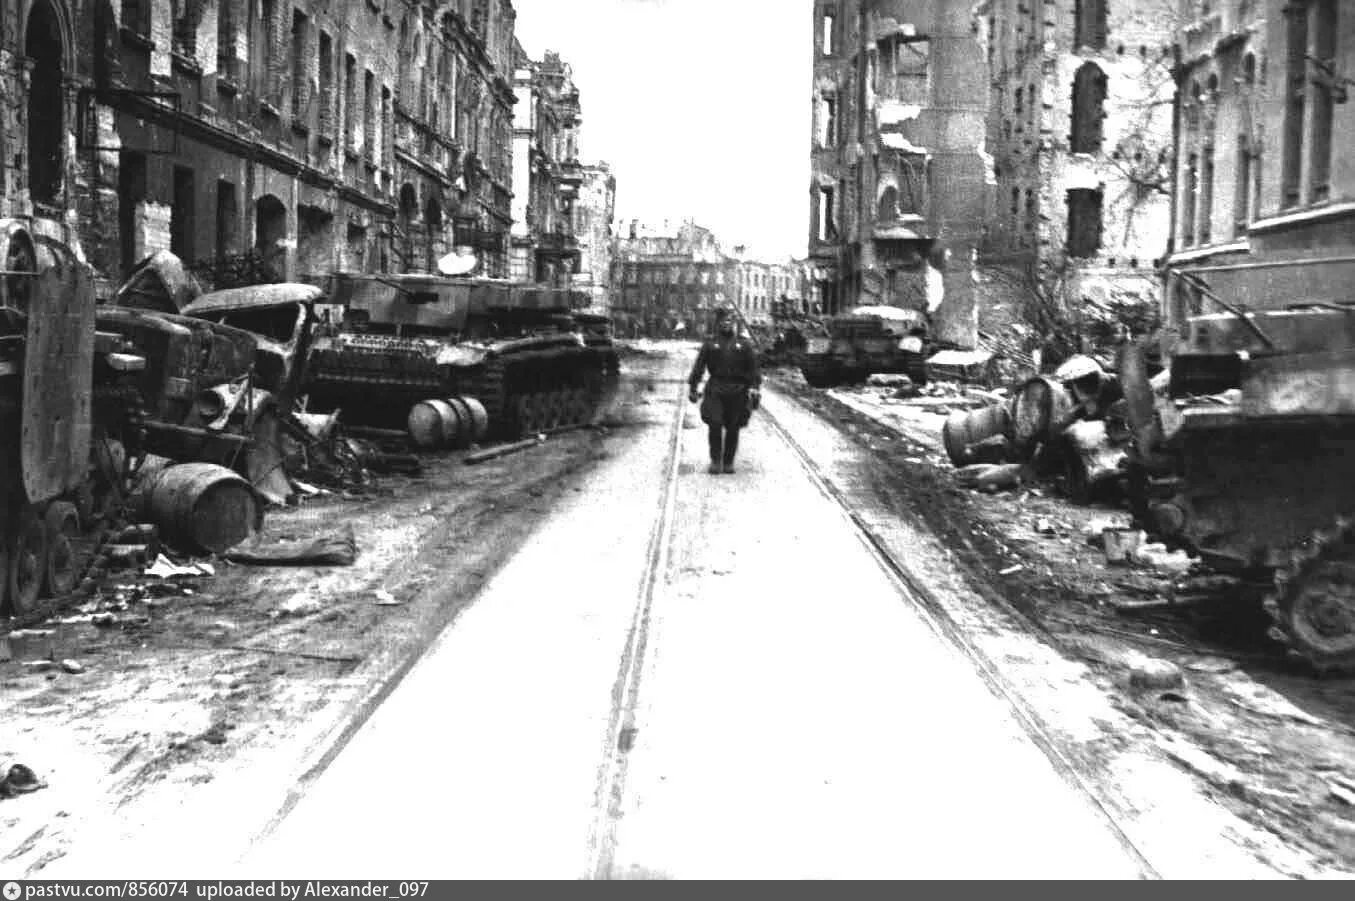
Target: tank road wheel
1313, 604
27, 560
63, 549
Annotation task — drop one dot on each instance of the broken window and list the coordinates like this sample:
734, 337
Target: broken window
46, 128
227, 220
186, 15
352, 113
888, 207
1089, 24
369, 120
827, 215
136, 16
300, 58
327, 98
1242, 187
1084, 222
1323, 85
225, 39
1296, 100
1189, 188
828, 36
1089, 98
1205, 230
912, 169
827, 122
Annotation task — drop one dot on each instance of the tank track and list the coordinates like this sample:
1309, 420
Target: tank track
1313, 603
571, 401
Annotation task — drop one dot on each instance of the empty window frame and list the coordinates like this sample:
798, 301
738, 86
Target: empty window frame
827, 32
827, 225
1310, 87
827, 136
328, 100
1084, 222
1089, 23
300, 62
1089, 105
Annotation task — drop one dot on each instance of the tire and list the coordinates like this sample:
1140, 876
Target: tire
62, 572
27, 560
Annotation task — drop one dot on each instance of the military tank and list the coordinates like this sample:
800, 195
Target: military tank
864, 341
522, 351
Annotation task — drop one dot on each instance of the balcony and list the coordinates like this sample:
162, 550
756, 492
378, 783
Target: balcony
571, 173
558, 245
478, 238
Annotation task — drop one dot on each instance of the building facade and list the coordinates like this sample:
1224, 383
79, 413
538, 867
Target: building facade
667, 280
260, 140
594, 213
1265, 202
759, 288
899, 171
1080, 132
547, 174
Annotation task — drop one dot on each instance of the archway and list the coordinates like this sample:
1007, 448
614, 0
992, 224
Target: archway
270, 236
44, 49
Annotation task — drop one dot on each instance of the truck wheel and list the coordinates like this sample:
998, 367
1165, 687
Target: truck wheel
27, 560
63, 549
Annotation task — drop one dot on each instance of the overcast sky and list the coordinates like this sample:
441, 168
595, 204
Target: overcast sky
701, 106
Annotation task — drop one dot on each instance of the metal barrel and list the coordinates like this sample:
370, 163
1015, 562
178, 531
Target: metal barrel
203, 507
965, 428
479, 418
433, 424
1039, 406
464, 435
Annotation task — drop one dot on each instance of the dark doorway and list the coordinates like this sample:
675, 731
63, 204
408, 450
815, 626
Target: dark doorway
131, 192
43, 46
181, 225
409, 208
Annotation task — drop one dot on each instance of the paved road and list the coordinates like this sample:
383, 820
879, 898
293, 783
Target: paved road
769, 707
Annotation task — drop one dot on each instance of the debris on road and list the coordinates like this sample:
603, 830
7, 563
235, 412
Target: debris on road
502, 450
337, 549
20, 780
74, 667
165, 568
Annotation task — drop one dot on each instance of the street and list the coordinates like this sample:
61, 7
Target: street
694, 676
603, 662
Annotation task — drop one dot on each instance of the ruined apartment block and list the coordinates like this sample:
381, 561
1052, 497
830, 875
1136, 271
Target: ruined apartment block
898, 195
261, 140
594, 214
667, 279
1080, 129
547, 174
1265, 210
758, 287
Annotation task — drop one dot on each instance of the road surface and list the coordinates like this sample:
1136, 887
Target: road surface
693, 676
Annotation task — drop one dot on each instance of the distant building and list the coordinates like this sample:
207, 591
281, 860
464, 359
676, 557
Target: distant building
759, 287
594, 213
899, 177
667, 280
546, 171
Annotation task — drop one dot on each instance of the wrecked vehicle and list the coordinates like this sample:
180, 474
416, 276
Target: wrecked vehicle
404, 339
867, 341
1244, 448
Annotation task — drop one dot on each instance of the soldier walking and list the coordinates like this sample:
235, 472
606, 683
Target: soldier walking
732, 392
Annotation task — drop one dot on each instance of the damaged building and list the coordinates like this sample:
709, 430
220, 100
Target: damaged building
666, 279
594, 213
262, 140
898, 196
547, 174
1079, 127
1265, 206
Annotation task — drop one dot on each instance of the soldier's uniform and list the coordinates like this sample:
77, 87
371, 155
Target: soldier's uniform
727, 405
